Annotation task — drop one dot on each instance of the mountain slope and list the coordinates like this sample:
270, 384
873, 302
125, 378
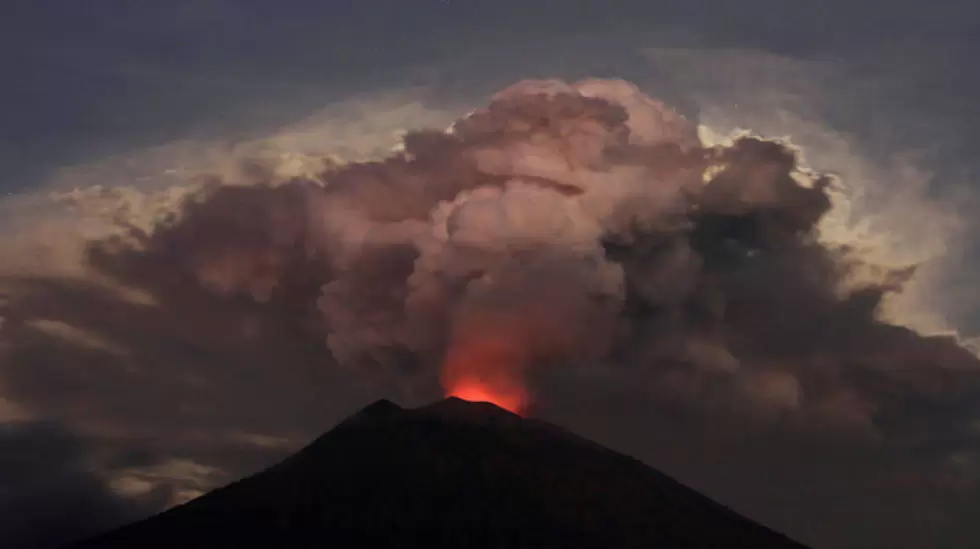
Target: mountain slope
453, 474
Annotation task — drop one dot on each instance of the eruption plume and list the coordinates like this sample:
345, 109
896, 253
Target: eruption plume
578, 230
576, 252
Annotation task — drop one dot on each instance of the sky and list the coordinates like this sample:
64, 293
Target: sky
121, 395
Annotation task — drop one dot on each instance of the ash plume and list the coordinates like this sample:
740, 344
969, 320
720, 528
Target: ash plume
580, 226
574, 251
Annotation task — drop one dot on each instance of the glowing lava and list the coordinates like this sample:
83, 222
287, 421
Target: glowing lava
487, 369
474, 391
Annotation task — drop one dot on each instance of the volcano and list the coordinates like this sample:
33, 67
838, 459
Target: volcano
452, 474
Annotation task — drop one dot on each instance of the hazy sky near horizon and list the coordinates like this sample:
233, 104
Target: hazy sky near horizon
125, 93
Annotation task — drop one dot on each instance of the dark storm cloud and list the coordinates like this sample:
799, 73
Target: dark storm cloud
187, 385
51, 491
142, 74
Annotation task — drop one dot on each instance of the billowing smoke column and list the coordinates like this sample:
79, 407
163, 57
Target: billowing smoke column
572, 227
504, 220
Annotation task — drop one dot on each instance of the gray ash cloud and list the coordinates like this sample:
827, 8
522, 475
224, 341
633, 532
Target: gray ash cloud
577, 247
587, 221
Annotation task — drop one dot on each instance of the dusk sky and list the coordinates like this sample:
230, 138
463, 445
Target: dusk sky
123, 393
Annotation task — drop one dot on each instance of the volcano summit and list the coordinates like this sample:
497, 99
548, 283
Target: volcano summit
452, 474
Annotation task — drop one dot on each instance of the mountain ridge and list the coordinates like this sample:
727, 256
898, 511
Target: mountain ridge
450, 474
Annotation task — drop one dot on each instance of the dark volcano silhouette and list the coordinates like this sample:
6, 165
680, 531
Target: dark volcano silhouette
453, 474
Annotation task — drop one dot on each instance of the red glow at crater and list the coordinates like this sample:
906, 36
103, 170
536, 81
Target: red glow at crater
474, 391
487, 367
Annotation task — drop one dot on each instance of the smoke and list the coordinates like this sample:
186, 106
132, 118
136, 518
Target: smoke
897, 161
579, 226
567, 244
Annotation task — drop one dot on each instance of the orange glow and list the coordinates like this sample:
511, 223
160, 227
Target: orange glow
487, 366
475, 392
